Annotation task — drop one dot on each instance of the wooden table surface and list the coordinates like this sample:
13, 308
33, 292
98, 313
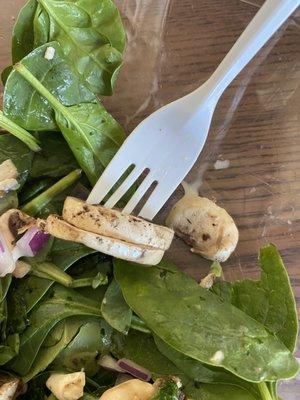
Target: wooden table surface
173, 46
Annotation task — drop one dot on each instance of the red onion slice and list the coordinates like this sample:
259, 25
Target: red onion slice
108, 362
7, 264
30, 243
134, 369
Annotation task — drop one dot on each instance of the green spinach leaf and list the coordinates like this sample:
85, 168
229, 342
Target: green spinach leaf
93, 135
48, 163
36, 206
198, 324
269, 300
4, 286
6, 354
217, 392
141, 349
61, 304
48, 353
5, 74
193, 368
27, 292
203, 373
33, 188
93, 338
19, 133
19, 153
115, 310
91, 35
22, 35
168, 389
25, 106
8, 201
41, 27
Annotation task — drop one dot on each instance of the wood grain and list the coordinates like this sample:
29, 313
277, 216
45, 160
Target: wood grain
256, 126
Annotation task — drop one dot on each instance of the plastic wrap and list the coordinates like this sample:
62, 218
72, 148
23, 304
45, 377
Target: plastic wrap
250, 164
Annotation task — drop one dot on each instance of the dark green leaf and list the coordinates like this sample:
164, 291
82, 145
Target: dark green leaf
269, 300
31, 289
33, 188
88, 396
3, 322
22, 35
93, 338
167, 390
196, 323
6, 354
91, 35
55, 160
61, 304
12, 148
8, 201
5, 74
25, 106
217, 392
48, 353
36, 205
141, 349
115, 310
4, 286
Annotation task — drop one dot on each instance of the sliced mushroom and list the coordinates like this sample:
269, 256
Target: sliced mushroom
61, 229
115, 224
208, 228
8, 170
13, 223
21, 269
133, 389
67, 386
9, 184
8, 387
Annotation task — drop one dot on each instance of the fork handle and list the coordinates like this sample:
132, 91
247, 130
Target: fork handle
268, 19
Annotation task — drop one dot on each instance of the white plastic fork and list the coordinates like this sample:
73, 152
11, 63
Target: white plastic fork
170, 140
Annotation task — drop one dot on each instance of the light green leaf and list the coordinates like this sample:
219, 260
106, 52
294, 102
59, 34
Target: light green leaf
91, 35
25, 106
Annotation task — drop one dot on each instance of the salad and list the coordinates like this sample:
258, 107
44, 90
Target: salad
90, 308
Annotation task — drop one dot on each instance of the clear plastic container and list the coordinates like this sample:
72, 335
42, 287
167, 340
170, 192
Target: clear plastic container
173, 46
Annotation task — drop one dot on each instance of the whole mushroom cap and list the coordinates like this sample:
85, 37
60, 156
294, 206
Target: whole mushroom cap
206, 227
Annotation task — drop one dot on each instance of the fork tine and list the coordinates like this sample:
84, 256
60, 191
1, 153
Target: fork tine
113, 172
122, 189
158, 198
141, 190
